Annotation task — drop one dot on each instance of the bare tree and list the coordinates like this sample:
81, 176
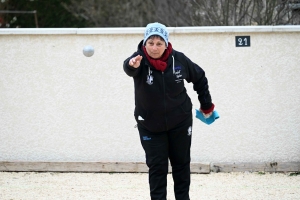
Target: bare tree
3, 20
113, 13
132, 13
117, 13
173, 13
245, 12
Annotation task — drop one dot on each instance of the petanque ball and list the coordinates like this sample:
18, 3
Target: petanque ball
88, 51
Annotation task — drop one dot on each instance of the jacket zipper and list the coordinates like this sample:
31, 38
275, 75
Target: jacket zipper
164, 88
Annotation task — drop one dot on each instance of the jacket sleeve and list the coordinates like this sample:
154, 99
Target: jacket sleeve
130, 71
196, 75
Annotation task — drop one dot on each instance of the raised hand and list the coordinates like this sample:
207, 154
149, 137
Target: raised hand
136, 61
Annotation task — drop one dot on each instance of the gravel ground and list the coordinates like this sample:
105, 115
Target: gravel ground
115, 186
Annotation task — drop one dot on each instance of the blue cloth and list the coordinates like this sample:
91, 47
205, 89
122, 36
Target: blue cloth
209, 120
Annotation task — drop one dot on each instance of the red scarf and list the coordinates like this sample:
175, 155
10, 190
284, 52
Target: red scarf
160, 63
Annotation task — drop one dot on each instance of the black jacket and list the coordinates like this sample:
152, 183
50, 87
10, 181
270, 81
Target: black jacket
161, 100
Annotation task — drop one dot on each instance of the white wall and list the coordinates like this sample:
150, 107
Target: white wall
57, 105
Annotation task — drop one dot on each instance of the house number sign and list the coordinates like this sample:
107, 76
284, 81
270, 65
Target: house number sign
242, 41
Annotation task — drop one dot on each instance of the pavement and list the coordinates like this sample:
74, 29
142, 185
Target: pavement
134, 186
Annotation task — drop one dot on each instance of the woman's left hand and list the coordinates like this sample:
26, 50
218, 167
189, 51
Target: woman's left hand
207, 115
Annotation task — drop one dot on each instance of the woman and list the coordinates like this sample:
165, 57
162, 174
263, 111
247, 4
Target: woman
163, 109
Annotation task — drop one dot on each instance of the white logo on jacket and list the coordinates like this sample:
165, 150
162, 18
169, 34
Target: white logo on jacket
150, 78
177, 73
189, 131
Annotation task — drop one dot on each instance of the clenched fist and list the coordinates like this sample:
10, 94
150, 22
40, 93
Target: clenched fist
136, 61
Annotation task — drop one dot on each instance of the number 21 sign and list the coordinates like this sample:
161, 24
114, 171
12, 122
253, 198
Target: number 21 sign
242, 41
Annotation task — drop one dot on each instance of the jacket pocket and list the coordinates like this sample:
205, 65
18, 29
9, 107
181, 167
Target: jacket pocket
186, 107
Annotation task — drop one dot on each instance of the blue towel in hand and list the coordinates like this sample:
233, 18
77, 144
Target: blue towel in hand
209, 120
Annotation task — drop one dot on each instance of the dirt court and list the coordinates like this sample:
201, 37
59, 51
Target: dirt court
115, 186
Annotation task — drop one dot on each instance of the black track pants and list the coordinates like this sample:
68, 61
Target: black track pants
175, 145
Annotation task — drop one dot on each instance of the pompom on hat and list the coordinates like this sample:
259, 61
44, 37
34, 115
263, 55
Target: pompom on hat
156, 29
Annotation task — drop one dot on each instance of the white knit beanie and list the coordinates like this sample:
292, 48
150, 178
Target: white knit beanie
156, 29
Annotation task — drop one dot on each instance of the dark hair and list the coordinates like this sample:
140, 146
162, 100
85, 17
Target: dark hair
155, 36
